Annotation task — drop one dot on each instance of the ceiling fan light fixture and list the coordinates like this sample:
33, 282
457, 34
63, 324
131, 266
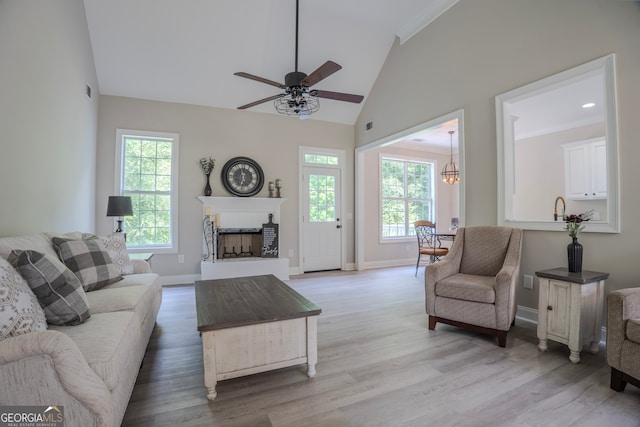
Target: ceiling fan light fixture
297, 101
450, 173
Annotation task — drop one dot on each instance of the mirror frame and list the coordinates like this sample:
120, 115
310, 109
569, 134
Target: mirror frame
506, 149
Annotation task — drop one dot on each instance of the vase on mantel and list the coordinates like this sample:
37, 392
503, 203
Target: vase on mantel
574, 256
207, 188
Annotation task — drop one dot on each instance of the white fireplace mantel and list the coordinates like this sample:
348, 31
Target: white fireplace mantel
242, 212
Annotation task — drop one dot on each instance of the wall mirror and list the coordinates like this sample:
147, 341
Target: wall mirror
558, 150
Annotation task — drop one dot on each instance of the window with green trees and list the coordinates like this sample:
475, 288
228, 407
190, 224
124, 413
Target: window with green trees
148, 176
407, 196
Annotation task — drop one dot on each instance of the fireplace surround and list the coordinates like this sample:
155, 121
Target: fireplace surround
238, 237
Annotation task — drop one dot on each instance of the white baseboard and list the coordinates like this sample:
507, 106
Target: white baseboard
295, 271
179, 280
389, 263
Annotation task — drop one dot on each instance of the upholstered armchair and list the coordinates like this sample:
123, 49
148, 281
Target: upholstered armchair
474, 286
623, 337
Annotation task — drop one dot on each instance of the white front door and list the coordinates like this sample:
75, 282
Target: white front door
322, 226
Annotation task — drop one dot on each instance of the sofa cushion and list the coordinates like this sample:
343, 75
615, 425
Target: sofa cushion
128, 298
20, 312
89, 260
58, 290
633, 330
468, 288
36, 242
106, 340
145, 279
117, 248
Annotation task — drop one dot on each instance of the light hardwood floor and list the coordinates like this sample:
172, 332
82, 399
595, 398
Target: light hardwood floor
378, 365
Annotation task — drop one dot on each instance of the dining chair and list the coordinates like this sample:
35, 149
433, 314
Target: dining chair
428, 242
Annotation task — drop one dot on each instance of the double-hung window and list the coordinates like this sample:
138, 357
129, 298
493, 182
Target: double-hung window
147, 171
407, 195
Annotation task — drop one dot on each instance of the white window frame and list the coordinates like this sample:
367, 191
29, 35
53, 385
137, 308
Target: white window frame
119, 175
405, 159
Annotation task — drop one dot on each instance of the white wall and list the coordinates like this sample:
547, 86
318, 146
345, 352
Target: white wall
269, 139
480, 49
47, 122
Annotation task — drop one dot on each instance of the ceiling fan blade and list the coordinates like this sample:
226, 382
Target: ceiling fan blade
262, 101
260, 79
339, 96
324, 71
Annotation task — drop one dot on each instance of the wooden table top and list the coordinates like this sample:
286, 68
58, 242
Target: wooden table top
562, 273
242, 301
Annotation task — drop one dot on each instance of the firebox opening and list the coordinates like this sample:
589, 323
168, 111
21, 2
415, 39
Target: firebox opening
239, 242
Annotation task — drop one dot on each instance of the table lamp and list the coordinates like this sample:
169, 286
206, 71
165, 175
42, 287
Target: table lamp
119, 206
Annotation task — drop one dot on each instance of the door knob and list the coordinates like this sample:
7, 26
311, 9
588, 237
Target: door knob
338, 226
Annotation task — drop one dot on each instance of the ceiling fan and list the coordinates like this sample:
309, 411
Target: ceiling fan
298, 97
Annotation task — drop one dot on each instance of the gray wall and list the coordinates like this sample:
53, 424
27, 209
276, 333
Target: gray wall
47, 122
271, 140
481, 48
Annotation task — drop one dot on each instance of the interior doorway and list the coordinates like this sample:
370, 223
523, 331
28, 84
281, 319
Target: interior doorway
431, 136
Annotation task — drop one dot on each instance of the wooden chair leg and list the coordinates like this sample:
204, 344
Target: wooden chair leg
502, 338
432, 323
617, 382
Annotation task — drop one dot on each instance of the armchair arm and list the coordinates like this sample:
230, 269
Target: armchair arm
507, 281
44, 368
622, 305
435, 272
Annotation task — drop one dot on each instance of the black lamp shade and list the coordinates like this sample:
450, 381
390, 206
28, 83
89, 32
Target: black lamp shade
119, 206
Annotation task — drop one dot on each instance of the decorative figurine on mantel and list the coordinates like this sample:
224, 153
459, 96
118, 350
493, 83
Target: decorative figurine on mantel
270, 189
278, 187
207, 165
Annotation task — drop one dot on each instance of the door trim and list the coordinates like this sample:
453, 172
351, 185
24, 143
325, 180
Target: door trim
341, 155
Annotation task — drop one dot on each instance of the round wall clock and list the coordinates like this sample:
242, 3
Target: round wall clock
242, 176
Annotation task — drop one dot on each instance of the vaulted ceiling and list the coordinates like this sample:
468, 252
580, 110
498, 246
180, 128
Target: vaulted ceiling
187, 51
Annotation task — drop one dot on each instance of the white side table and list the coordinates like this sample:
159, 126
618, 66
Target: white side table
570, 309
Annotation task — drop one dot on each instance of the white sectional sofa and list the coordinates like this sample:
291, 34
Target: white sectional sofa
90, 368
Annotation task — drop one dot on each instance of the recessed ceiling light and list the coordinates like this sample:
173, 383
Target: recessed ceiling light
589, 105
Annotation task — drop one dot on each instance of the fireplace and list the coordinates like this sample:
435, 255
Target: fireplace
239, 242
241, 237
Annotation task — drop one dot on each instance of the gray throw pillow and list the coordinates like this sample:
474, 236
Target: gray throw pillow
89, 260
20, 312
58, 290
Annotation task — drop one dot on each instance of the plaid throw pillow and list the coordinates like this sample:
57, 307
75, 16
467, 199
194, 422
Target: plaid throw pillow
58, 290
89, 260
20, 312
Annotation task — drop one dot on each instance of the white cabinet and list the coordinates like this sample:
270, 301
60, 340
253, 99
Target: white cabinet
570, 309
585, 166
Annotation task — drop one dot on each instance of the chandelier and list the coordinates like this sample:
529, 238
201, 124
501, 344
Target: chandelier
450, 173
297, 101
